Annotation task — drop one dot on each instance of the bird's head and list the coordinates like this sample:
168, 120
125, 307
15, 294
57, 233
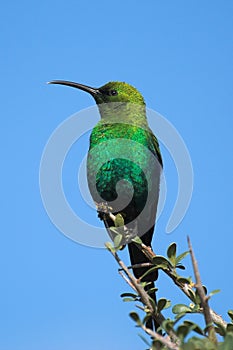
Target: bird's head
118, 92
113, 99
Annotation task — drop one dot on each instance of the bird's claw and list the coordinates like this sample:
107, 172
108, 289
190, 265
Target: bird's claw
103, 209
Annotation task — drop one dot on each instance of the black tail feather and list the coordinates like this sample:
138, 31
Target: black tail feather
137, 257
151, 323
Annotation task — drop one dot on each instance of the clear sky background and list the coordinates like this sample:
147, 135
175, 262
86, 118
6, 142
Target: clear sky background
57, 294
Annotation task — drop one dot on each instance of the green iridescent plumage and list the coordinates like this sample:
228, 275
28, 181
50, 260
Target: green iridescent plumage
116, 169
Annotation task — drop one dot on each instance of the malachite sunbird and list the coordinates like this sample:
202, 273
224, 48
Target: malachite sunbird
124, 165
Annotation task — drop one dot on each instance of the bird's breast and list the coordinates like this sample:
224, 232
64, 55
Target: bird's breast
120, 164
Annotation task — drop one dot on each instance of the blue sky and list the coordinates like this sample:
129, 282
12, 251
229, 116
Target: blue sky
57, 294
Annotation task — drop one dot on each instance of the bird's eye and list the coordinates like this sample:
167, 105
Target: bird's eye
113, 92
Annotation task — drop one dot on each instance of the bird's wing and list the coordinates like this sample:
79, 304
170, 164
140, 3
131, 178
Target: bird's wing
154, 147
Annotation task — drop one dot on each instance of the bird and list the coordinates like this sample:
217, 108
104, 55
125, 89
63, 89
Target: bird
124, 166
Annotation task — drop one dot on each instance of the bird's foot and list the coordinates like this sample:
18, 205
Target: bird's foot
130, 234
103, 210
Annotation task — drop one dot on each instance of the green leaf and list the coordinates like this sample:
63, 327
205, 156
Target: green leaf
152, 290
153, 303
137, 240
197, 298
132, 295
159, 330
214, 292
220, 329
156, 345
179, 316
229, 327
181, 308
171, 253
119, 220
128, 299
114, 229
168, 304
195, 343
181, 256
183, 280
161, 262
183, 331
179, 266
230, 313
205, 289
193, 296
148, 272
228, 341
144, 284
146, 318
161, 303
109, 246
195, 327
195, 308
167, 325
135, 317
118, 240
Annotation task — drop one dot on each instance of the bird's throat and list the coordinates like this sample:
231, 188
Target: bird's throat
123, 112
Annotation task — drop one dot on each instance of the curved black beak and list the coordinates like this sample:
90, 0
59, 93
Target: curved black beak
89, 89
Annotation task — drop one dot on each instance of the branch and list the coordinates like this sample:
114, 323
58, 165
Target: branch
132, 281
138, 287
203, 297
127, 280
165, 341
184, 287
209, 314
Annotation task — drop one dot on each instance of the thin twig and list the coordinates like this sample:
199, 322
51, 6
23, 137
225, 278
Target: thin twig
139, 266
138, 287
203, 297
165, 341
127, 280
142, 293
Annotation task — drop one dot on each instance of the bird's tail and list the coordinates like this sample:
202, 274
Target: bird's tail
151, 322
137, 257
